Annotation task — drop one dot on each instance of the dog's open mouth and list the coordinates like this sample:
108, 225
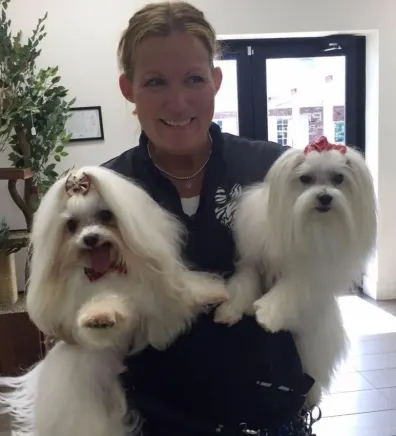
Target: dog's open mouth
101, 257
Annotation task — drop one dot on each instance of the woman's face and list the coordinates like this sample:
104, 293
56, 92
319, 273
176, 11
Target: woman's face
173, 88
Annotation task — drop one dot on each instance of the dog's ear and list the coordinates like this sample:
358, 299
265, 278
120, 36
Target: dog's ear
282, 174
285, 166
281, 198
45, 240
363, 194
362, 176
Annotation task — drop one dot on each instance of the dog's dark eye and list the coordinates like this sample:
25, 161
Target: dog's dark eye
72, 225
338, 179
105, 216
306, 179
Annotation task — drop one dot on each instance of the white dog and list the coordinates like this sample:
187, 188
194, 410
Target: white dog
106, 271
304, 235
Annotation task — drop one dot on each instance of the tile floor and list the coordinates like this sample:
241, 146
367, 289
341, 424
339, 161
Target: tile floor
362, 401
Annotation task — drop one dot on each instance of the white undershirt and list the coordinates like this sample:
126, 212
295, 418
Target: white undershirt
190, 205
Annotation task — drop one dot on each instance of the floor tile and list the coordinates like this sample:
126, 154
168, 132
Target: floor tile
381, 423
347, 403
382, 378
390, 395
350, 382
368, 362
375, 345
356, 312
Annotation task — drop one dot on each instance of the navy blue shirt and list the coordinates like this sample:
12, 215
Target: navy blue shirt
212, 374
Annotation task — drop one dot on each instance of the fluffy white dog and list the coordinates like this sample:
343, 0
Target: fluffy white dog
106, 271
304, 235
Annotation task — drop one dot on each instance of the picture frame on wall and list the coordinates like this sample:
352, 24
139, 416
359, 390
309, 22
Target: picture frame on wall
85, 124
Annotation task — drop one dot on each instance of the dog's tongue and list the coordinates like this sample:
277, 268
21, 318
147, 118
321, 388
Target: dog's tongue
100, 259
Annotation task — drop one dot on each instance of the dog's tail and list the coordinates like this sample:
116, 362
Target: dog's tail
17, 396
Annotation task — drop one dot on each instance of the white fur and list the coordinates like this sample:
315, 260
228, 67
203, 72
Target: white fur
304, 257
75, 390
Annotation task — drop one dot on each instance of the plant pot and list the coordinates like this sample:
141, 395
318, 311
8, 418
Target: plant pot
4, 97
8, 279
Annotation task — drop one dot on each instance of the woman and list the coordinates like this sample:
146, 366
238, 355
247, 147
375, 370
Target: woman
215, 379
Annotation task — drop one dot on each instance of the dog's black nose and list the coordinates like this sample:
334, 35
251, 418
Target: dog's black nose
91, 240
325, 199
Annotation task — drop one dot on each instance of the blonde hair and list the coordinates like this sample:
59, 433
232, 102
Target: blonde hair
161, 19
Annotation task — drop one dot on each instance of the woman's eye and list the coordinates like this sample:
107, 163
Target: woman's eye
154, 82
195, 79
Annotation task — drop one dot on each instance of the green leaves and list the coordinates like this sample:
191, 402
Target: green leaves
31, 97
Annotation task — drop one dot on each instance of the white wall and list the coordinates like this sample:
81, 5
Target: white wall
82, 40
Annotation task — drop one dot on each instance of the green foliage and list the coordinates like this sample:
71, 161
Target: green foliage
31, 98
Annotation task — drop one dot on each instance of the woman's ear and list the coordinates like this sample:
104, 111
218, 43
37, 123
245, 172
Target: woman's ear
126, 88
218, 78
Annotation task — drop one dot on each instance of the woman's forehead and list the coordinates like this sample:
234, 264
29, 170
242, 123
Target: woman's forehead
178, 51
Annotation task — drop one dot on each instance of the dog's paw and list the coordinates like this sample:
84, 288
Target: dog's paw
268, 318
102, 322
227, 314
99, 320
211, 296
217, 295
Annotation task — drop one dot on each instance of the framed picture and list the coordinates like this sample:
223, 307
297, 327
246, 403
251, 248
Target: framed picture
85, 124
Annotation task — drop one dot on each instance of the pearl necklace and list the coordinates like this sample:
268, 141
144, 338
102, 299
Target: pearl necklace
186, 179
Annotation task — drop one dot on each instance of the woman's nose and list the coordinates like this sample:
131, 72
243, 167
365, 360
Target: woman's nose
177, 99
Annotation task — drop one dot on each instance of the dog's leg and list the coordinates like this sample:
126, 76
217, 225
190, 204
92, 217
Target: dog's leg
243, 289
279, 309
204, 291
78, 393
105, 320
322, 345
311, 366
173, 310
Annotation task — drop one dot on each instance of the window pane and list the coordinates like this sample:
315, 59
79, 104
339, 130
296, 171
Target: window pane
306, 99
226, 104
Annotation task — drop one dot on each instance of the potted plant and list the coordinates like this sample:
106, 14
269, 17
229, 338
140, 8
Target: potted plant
8, 280
33, 116
33, 110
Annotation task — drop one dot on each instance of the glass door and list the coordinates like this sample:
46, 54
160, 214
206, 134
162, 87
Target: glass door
226, 104
293, 90
305, 99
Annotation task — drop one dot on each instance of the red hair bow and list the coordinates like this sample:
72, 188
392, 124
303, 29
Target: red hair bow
322, 144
